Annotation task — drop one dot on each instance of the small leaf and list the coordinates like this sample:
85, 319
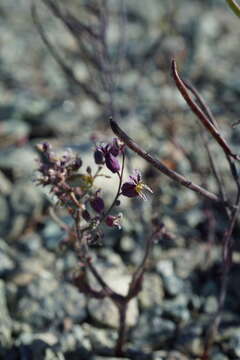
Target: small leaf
80, 180
234, 6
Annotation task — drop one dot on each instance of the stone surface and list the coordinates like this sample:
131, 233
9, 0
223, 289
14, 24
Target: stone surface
152, 330
172, 284
172, 355
100, 339
5, 320
47, 304
152, 292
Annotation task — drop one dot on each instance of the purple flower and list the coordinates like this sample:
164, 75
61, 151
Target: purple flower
108, 153
135, 186
115, 147
112, 162
97, 204
114, 221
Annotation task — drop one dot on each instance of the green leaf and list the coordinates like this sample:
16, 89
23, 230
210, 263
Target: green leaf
81, 180
234, 6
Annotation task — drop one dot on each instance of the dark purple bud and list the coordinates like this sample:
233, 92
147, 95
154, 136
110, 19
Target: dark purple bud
89, 170
112, 163
77, 163
114, 148
99, 157
129, 190
118, 203
46, 146
113, 221
97, 204
86, 216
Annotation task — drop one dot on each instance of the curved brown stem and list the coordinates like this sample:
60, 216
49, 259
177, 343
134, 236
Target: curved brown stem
200, 113
121, 329
163, 168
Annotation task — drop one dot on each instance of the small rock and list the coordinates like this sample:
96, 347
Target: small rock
52, 235
127, 244
5, 184
152, 292
7, 263
45, 303
103, 310
176, 309
100, 338
47, 337
20, 161
210, 305
26, 202
152, 329
26, 199
106, 313
172, 284
165, 355
75, 338
230, 341
219, 356
31, 243
5, 320
190, 339
52, 355
13, 132
109, 358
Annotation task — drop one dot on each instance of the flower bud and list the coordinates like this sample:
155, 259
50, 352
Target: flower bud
113, 221
97, 204
86, 216
112, 163
99, 157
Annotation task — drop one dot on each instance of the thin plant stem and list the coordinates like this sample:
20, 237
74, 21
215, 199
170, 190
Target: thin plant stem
211, 118
234, 6
58, 58
122, 311
163, 168
200, 113
228, 242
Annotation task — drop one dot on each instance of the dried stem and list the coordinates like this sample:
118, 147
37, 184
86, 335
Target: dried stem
163, 168
121, 329
211, 118
65, 68
120, 301
202, 103
234, 6
228, 242
200, 113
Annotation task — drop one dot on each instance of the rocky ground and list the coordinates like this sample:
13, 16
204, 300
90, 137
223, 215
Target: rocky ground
43, 316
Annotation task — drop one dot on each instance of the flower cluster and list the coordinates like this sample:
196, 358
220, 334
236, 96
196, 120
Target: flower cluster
75, 189
108, 153
56, 171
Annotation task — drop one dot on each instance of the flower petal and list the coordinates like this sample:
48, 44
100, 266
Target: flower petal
112, 162
129, 189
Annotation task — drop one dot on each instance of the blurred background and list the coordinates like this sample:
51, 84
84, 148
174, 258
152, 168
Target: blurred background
60, 82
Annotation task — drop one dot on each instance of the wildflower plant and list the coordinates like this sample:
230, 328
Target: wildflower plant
76, 190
